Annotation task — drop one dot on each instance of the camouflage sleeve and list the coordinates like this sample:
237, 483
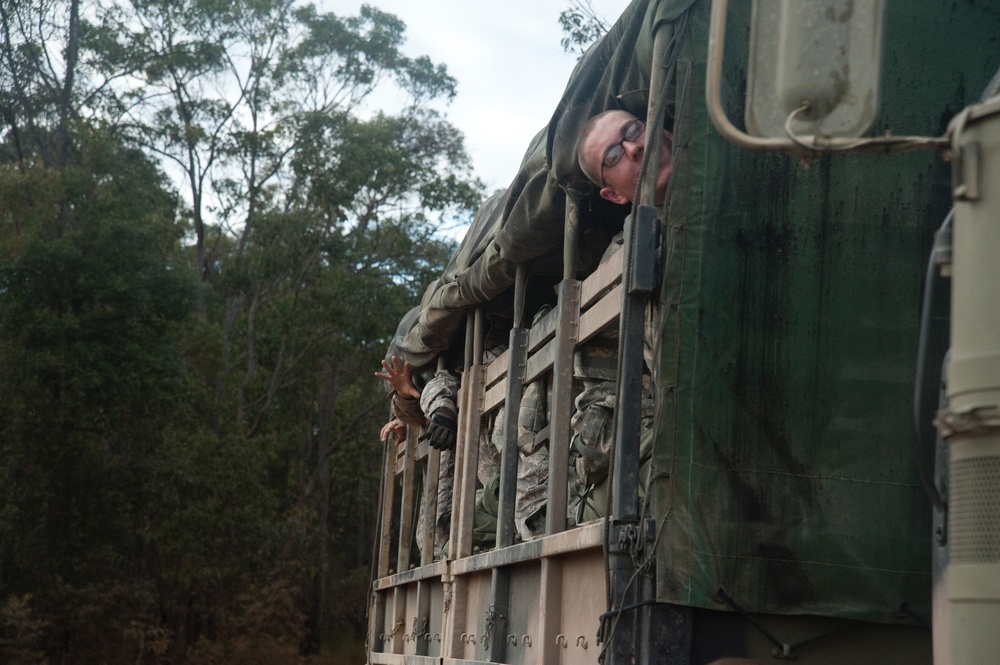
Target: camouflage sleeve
440, 394
408, 410
438, 401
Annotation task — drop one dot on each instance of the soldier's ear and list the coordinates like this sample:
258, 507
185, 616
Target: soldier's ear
612, 194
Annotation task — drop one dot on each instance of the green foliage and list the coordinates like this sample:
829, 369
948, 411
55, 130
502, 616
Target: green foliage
188, 420
581, 26
21, 632
93, 289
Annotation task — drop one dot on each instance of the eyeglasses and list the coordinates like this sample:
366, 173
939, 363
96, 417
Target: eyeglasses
614, 154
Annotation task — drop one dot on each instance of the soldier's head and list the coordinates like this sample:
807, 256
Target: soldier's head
610, 155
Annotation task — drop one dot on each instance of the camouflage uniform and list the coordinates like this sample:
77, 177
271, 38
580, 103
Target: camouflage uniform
533, 454
408, 410
490, 433
593, 431
441, 395
533, 465
592, 425
442, 512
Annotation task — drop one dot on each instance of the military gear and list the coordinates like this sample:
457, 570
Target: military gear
438, 401
490, 431
490, 443
484, 519
591, 501
442, 432
593, 429
533, 466
442, 505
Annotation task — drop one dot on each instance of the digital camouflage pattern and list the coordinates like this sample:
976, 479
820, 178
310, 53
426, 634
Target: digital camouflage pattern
533, 462
443, 504
440, 395
593, 429
439, 401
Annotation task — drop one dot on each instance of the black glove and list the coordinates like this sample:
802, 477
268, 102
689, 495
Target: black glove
442, 432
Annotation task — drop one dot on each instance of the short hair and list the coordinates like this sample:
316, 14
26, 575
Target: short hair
588, 128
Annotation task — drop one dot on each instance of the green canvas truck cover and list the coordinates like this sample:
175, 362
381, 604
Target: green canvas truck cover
786, 474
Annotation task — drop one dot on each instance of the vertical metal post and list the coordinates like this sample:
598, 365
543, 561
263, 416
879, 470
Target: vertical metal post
640, 244
388, 502
655, 105
470, 342
398, 628
638, 280
520, 291
550, 616
571, 237
377, 625
624, 527
479, 323
516, 359
433, 467
407, 508
421, 622
467, 446
567, 334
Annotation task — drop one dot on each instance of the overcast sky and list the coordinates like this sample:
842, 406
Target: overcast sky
508, 62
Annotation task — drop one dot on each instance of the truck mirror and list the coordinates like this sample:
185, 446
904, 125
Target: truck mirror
814, 68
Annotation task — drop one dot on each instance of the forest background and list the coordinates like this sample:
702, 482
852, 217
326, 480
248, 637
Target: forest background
204, 246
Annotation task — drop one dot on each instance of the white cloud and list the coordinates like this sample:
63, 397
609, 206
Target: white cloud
507, 60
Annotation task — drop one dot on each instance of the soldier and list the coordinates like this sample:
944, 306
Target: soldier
405, 399
612, 145
433, 410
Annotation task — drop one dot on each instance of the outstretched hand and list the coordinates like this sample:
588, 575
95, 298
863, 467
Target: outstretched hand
400, 377
394, 426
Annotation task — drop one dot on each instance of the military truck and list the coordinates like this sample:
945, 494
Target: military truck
774, 484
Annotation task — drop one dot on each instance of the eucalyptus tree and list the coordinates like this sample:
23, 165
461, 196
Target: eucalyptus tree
314, 216
311, 219
581, 26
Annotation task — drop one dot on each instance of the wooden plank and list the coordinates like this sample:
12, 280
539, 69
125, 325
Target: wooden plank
550, 612
540, 362
495, 396
436, 569
400, 458
542, 331
377, 621
433, 468
423, 450
495, 370
584, 537
398, 629
407, 511
388, 501
466, 453
401, 659
562, 405
607, 274
600, 314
